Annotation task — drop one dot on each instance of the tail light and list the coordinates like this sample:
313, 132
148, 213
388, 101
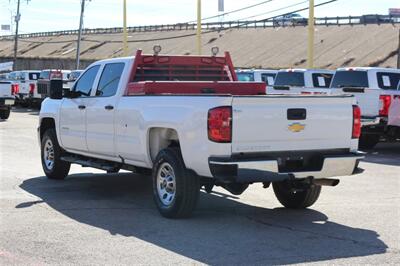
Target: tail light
356, 122
220, 124
31, 88
14, 89
385, 101
306, 92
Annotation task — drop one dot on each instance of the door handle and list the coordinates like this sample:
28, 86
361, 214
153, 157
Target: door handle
108, 107
81, 107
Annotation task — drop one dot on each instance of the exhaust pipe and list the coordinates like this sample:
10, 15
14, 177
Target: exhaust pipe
326, 182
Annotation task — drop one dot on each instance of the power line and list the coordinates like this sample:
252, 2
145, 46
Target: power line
193, 34
275, 10
230, 12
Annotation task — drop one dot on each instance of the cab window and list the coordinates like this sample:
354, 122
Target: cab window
109, 80
358, 79
322, 80
295, 79
85, 83
387, 80
243, 76
268, 78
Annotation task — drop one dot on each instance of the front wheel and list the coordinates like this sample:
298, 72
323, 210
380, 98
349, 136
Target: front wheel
5, 114
296, 197
175, 189
51, 152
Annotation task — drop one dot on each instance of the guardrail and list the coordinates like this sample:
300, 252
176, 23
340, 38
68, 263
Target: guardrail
274, 22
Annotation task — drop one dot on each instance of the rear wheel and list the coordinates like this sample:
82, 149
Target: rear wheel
295, 196
5, 114
51, 152
175, 189
368, 141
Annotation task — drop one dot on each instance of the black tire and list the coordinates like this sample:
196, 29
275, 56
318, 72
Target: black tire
300, 199
5, 114
186, 186
368, 141
59, 169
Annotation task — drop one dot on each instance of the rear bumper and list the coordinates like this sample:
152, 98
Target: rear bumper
370, 121
7, 101
245, 171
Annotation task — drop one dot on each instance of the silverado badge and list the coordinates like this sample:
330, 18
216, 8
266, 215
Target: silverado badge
296, 127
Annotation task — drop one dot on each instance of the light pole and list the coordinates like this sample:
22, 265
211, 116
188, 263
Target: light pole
310, 52
198, 35
125, 44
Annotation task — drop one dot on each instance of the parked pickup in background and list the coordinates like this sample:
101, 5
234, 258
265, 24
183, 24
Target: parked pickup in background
45, 78
7, 97
260, 75
374, 89
290, 81
73, 76
188, 121
27, 85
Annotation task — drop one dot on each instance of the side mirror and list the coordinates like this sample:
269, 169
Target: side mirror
56, 89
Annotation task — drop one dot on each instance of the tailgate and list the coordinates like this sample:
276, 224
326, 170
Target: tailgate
291, 123
5, 89
367, 99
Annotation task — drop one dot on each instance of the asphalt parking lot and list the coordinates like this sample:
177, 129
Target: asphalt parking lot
93, 218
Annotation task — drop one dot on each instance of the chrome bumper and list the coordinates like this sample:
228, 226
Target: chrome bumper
268, 170
370, 121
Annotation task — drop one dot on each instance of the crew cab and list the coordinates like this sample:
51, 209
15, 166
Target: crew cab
7, 98
290, 81
374, 89
188, 121
260, 75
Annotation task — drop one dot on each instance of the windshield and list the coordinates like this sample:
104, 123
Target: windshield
245, 76
350, 79
295, 79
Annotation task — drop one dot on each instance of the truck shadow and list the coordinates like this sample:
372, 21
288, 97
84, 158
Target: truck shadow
384, 153
222, 231
26, 110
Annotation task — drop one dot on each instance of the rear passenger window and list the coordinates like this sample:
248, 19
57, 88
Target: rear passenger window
268, 78
387, 80
321, 80
108, 84
34, 76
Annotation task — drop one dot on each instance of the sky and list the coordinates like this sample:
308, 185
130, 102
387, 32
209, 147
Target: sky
52, 15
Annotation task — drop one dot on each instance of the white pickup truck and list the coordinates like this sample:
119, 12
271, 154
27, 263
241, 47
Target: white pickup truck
27, 84
374, 89
189, 120
7, 98
289, 81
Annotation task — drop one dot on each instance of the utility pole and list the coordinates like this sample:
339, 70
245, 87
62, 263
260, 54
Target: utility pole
198, 35
125, 32
17, 18
78, 46
310, 51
